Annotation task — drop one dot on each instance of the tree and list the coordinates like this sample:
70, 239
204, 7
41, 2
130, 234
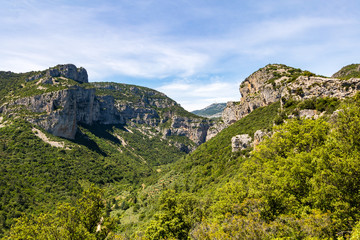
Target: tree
68, 222
178, 213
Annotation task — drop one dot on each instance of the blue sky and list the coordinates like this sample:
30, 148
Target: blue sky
195, 51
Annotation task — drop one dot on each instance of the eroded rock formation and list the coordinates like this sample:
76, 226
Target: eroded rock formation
63, 70
240, 142
278, 82
60, 112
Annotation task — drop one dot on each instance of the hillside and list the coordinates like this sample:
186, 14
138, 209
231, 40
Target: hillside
347, 72
212, 111
59, 133
299, 183
278, 82
285, 165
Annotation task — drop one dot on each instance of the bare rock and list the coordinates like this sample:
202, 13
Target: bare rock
277, 82
64, 70
62, 111
214, 129
46, 80
240, 142
308, 113
195, 129
259, 137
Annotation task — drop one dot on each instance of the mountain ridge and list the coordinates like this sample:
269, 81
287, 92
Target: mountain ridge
59, 103
132, 141
212, 111
276, 82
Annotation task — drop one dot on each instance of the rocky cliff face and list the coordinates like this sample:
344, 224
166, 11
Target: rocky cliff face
138, 105
63, 70
279, 82
61, 111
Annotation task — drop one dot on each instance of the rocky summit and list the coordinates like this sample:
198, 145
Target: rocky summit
278, 82
62, 70
60, 98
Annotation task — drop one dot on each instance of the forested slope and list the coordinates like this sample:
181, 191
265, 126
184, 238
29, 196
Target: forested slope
300, 183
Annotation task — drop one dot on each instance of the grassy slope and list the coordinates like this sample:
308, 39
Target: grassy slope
349, 71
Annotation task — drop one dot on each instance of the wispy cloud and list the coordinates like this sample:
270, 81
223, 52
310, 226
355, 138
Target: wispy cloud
196, 95
164, 41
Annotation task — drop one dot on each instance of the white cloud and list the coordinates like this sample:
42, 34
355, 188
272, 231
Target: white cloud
130, 39
193, 95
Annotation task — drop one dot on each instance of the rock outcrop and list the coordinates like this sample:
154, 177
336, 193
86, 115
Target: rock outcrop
244, 141
65, 70
195, 129
61, 111
240, 142
259, 136
309, 113
280, 83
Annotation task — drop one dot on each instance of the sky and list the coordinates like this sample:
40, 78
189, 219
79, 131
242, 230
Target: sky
195, 51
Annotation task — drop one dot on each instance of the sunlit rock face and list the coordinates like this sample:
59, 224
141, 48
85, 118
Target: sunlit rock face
278, 82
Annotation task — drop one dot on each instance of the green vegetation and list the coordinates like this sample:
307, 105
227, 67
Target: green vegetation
301, 183
178, 213
280, 70
291, 107
84, 219
320, 104
126, 92
213, 160
36, 176
14, 86
10, 82
349, 71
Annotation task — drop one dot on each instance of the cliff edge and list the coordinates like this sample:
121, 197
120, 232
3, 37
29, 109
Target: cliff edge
278, 82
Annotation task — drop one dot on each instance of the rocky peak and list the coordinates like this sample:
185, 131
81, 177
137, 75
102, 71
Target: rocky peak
62, 107
62, 70
277, 82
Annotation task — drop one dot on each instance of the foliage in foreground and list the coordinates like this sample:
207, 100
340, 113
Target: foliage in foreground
69, 222
301, 183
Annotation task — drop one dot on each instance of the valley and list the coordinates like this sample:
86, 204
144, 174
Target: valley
139, 166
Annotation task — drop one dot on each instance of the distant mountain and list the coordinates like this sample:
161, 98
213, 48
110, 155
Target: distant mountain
347, 72
212, 111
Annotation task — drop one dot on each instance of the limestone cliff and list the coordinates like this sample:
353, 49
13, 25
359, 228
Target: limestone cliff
277, 82
60, 98
62, 70
60, 112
